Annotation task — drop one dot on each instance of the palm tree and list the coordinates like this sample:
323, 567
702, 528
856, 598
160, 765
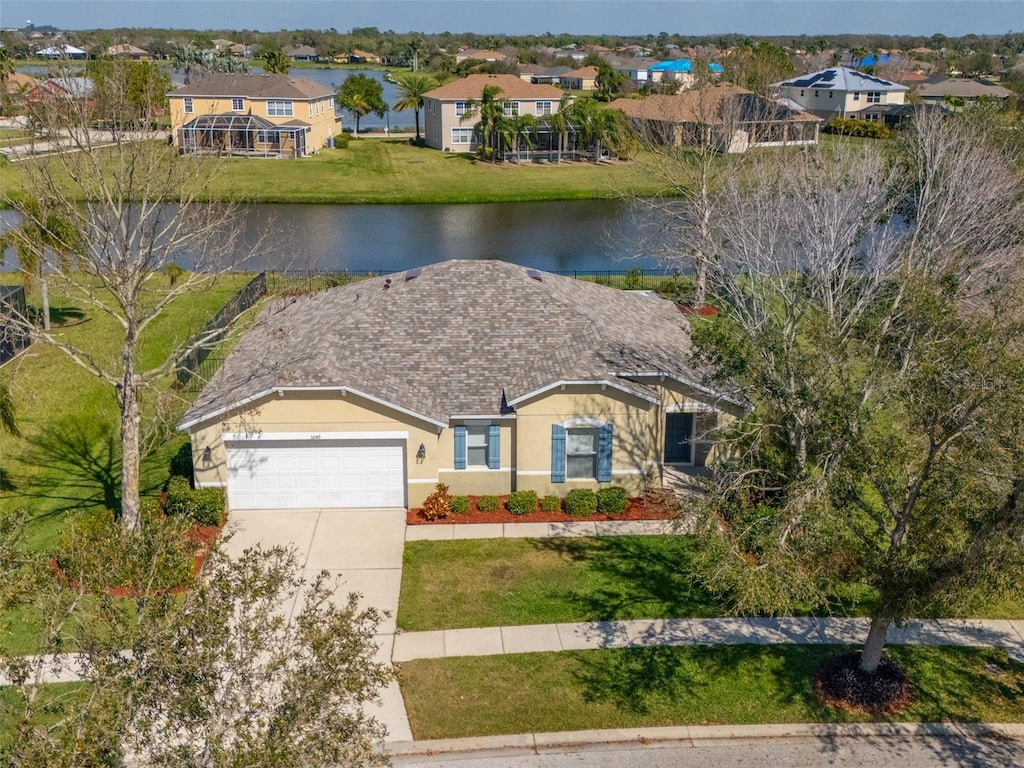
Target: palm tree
491, 112
275, 62
6, 65
412, 87
559, 122
41, 231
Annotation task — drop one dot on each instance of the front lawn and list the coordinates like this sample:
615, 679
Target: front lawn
499, 582
692, 685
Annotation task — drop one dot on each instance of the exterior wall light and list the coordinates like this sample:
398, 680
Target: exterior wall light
207, 455
421, 453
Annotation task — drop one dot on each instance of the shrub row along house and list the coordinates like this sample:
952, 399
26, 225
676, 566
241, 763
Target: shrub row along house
483, 375
260, 115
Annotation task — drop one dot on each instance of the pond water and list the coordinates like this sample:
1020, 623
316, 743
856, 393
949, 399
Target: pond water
584, 235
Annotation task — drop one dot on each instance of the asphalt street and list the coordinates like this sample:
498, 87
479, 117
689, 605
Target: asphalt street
965, 751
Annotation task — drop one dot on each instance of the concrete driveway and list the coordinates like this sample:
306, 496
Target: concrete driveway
362, 548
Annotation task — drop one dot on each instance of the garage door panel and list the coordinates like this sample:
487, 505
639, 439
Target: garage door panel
280, 474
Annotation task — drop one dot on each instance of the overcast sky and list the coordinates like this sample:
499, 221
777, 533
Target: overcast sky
617, 17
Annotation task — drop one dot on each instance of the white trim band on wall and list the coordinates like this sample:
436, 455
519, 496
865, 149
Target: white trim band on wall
249, 437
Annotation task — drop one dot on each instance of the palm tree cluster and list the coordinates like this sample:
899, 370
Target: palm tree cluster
579, 127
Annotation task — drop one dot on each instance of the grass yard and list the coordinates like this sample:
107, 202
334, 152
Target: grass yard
692, 685
393, 171
499, 582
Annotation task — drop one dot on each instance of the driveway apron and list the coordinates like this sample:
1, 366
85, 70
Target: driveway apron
362, 548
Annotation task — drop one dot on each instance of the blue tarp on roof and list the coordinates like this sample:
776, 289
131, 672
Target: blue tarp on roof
680, 65
871, 60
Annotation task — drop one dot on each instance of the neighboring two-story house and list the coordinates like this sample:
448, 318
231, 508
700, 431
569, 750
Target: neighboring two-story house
840, 92
449, 118
253, 115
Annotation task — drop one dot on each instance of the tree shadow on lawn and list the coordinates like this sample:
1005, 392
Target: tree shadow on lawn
6, 484
641, 577
75, 461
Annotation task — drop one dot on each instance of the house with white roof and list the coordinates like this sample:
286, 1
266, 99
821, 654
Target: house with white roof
839, 92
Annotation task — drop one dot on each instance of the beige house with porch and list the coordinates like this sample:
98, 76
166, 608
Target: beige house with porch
483, 375
253, 115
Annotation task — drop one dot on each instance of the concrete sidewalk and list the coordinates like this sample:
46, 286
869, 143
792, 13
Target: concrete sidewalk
648, 633
569, 529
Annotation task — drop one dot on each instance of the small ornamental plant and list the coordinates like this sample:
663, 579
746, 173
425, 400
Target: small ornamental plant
438, 504
550, 504
580, 502
488, 504
460, 505
611, 500
522, 502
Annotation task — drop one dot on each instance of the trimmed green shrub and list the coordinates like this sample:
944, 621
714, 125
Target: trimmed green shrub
580, 502
460, 505
522, 502
94, 551
438, 504
201, 506
550, 504
488, 504
611, 500
341, 140
848, 126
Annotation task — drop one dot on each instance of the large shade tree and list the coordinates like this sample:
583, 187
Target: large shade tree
362, 95
873, 318
135, 209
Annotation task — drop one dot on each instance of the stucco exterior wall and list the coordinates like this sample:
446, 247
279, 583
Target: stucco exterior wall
440, 116
634, 445
825, 102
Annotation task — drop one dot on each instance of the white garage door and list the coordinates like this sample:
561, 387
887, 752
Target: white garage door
272, 474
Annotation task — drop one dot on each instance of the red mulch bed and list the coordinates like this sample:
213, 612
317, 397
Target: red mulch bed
202, 536
651, 507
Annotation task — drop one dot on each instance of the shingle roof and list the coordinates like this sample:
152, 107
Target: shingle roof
512, 87
582, 72
254, 87
964, 88
842, 79
454, 339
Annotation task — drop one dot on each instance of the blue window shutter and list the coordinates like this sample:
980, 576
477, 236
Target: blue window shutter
557, 453
604, 454
460, 447
494, 447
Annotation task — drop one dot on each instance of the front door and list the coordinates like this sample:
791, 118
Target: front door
679, 438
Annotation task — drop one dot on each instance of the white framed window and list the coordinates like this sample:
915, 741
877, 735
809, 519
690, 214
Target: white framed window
542, 108
279, 109
874, 97
856, 95
189, 107
581, 452
462, 135
511, 108
310, 107
476, 446
237, 104
461, 108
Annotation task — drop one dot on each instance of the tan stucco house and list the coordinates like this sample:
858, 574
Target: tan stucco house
483, 375
447, 110
582, 79
839, 92
253, 115
725, 116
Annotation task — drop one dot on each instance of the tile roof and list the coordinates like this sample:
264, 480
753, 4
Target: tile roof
841, 79
454, 338
582, 72
254, 87
960, 87
709, 105
512, 87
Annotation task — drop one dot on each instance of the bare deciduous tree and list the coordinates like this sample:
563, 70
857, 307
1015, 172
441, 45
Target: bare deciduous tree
135, 210
874, 321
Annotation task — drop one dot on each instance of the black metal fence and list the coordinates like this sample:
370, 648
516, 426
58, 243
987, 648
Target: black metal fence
196, 368
297, 282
